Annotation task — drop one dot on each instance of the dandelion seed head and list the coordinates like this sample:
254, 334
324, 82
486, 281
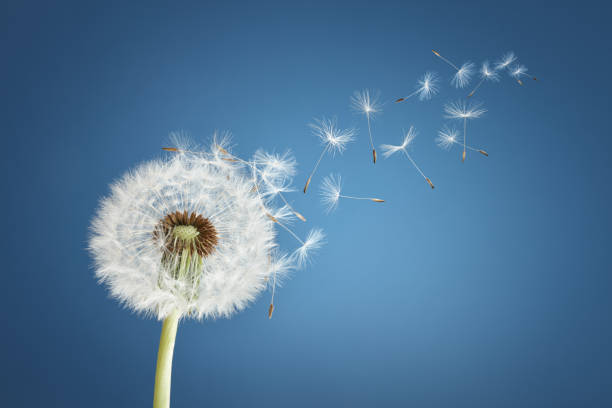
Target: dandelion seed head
331, 188
463, 110
188, 233
505, 61
428, 85
364, 102
409, 136
463, 75
447, 137
331, 136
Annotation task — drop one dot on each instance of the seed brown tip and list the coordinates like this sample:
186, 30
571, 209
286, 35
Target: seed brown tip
307, 183
300, 216
400, 100
483, 153
519, 81
435, 52
430, 183
229, 159
222, 150
270, 216
378, 200
374, 155
463, 158
270, 310
471, 94
170, 149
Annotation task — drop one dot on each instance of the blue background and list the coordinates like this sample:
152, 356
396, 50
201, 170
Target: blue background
491, 290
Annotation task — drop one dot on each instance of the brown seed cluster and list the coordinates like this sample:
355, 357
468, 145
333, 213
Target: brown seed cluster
205, 241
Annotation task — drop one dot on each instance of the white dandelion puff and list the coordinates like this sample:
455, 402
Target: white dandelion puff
367, 104
333, 139
427, 86
389, 150
331, 190
187, 237
447, 137
463, 110
505, 61
486, 74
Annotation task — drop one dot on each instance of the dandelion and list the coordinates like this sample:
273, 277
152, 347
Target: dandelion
464, 73
447, 137
362, 102
331, 193
426, 87
409, 136
187, 237
486, 74
505, 61
518, 71
333, 140
463, 111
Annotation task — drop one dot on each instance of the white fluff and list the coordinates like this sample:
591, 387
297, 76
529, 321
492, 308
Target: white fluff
129, 261
331, 187
409, 136
463, 75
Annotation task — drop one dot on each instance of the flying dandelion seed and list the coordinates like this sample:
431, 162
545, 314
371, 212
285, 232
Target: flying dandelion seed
362, 102
518, 71
486, 74
505, 61
186, 237
426, 87
447, 137
333, 140
331, 193
464, 73
463, 111
409, 136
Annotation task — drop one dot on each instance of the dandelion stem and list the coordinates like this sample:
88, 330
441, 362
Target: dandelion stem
464, 136
476, 88
359, 198
315, 168
371, 141
445, 60
163, 373
407, 97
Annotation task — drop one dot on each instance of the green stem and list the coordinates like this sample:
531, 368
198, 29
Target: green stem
163, 373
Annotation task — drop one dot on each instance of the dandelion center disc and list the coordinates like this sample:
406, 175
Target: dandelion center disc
184, 230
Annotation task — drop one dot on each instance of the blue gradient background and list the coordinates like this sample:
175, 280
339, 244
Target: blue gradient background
491, 290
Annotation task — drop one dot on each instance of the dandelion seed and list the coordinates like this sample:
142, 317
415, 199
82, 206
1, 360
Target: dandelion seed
333, 140
331, 193
362, 102
426, 87
389, 150
463, 111
518, 71
464, 73
486, 74
505, 61
186, 237
447, 137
